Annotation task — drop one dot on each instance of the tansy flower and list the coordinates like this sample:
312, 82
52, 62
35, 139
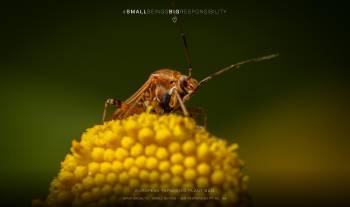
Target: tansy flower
148, 159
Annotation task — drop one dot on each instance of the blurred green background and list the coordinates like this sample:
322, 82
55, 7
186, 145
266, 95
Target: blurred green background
60, 60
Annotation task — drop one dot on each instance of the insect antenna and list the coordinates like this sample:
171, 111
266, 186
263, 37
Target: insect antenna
184, 41
235, 67
231, 67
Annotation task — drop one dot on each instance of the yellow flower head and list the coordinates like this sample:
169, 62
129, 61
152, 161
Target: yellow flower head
161, 160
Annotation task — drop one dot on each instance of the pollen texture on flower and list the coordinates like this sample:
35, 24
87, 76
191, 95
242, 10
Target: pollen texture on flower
161, 160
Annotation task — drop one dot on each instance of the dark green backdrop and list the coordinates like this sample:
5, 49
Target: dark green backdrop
60, 61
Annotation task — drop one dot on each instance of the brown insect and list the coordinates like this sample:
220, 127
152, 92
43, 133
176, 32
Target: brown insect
167, 90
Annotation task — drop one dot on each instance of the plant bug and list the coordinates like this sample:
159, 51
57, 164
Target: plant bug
167, 90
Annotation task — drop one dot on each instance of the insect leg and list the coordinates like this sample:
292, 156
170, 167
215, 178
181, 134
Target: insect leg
182, 105
108, 102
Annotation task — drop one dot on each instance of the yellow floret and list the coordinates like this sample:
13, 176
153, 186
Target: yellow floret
151, 163
217, 177
88, 182
136, 150
111, 178
112, 137
179, 133
177, 169
121, 154
133, 172
189, 147
177, 158
80, 172
86, 197
106, 190
190, 161
93, 168
154, 176
203, 169
109, 155
140, 161
70, 163
134, 183
176, 181
190, 174
162, 153
202, 182
144, 175
100, 179
174, 147
203, 152
165, 177
117, 166
128, 163
146, 135
97, 154
105, 167
148, 152
123, 177
66, 177
151, 150
164, 166
127, 142
131, 125
163, 136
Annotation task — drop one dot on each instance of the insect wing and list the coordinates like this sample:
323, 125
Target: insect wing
140, 92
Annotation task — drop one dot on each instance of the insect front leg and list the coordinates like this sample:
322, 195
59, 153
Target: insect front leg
177, 98
110, 101
168, 99
182, 105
